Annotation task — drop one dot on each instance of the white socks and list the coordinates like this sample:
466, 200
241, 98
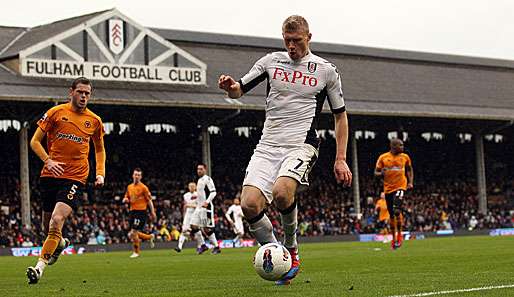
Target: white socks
41, 265
181, 240
290, 223
262, 229
199, 239
213, 240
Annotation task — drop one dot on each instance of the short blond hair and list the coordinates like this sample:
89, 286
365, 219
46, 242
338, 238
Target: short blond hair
295, 23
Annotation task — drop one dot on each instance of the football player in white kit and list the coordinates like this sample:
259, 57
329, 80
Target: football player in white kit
236, 223
298, 82
203, 215
189, 205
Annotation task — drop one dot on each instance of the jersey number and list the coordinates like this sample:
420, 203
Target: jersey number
299, 164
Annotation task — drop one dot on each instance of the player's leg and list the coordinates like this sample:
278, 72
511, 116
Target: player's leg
136, 243
143, 236
182, 239
59, 215
294, 171
209, 227
46, 216
392, 219
209, 232
197, 234
253, 204
398, 204
283, 197
261, 173
239, 231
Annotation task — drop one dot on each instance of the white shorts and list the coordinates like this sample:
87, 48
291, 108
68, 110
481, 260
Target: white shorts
270, 162
203, 217
239, 228
186, 222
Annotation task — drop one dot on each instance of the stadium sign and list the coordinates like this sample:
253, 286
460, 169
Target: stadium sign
36, 251
113, 72
110, 46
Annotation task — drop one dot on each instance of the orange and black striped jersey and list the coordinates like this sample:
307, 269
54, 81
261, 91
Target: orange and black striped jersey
68, 134
138, 195
393, 167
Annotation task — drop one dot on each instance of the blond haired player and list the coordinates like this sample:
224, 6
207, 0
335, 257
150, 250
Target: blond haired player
298, 83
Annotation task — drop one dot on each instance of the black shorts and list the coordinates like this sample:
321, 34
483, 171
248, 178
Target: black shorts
55, 190
394, 201
137, 219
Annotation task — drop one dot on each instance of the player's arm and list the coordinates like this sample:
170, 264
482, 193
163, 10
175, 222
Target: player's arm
148, 197
337, 106
100, 156
212, 194
126, 199
341, 169
37, 146
232, 87
410, 174
236, 89
379, 168
227, 215
153, 216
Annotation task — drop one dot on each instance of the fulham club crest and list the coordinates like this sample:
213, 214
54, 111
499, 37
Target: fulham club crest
311, 66
116, 35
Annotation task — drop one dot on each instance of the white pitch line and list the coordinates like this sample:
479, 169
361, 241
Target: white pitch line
456, 291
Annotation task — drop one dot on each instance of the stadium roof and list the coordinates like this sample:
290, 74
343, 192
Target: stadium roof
376, 81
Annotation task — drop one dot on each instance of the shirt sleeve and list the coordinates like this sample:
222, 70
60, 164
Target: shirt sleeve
127, 195
335, 90
408, 161
100, 130
212, 190
148, 195
47, 120
380, 163
256, 75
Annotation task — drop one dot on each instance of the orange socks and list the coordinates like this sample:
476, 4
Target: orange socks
51, 243
399, 223
144, 236
137, 246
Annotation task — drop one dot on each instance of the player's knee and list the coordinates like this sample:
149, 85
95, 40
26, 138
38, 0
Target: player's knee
251, 208
283, 197
209, 231
56, 221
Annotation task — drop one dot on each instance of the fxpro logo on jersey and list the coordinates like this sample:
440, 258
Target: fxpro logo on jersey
70, 136
295, 77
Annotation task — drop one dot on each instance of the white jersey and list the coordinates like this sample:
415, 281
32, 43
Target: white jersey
237, 212
296, 92
190, 199
205, 189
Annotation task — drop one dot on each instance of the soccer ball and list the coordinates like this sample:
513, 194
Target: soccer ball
272, 261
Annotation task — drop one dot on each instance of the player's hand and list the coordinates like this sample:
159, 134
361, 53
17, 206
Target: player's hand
227, 83
205, 204
99, 181
342, 173
125, 200
410, 186
54, 167
153, 216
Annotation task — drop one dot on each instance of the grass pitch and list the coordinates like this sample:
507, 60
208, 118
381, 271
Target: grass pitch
328, 269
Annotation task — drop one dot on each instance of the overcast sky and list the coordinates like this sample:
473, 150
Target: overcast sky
463, 27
